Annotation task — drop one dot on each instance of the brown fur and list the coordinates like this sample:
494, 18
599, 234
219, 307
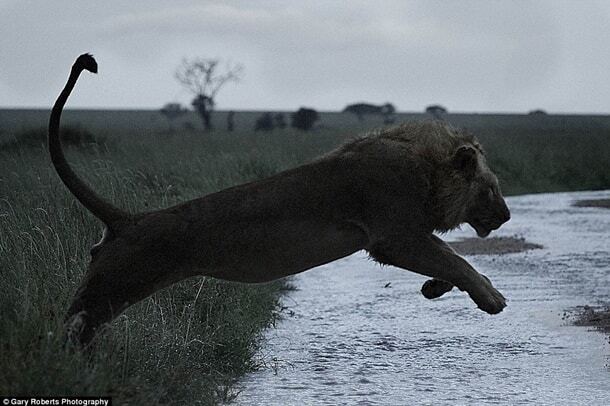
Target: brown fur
385, 193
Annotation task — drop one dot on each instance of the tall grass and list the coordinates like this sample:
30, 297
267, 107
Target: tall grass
184, 345
549, 159
187, 343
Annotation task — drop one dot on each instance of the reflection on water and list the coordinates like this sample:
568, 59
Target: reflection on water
348, 339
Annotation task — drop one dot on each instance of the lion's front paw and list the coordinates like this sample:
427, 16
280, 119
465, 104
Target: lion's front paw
434, 288
487, 298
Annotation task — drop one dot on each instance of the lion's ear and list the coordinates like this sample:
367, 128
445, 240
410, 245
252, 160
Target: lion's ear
465, 160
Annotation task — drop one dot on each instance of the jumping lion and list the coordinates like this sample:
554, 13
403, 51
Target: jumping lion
385, 193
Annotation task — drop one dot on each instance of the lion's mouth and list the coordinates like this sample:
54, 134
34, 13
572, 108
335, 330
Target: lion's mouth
483, 230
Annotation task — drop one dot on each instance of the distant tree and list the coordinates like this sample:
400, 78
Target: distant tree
204, 78
304, 118
204, 106
172, 111
230, 121
264, 123
362, 109
437, 111
280, 120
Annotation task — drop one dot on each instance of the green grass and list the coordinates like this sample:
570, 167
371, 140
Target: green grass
188, 343
549, 159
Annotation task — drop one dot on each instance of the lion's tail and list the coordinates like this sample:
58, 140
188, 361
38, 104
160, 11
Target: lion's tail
103, 210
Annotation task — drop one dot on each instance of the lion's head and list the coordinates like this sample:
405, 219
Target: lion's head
468, 191
487, 210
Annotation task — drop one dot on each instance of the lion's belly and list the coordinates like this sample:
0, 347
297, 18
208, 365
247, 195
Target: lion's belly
279, 249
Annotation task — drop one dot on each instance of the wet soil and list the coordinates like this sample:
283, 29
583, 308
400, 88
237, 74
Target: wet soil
602, 203
493, 245
591, 317
588, 316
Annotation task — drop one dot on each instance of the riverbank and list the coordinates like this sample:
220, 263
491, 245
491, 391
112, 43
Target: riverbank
493, 245
588, 316
601, 203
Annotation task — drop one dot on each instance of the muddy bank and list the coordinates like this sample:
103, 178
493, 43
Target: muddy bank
588, 316
603, 203
493, 245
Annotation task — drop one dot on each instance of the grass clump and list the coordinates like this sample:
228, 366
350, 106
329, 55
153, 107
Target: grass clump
184, 345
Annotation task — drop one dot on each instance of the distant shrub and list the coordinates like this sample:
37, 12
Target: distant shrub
37, 137
360, 110
537, 112
304, 118
280, 120
173, 111
264, 123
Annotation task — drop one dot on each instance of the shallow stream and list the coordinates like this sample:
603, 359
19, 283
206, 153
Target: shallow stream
357, 333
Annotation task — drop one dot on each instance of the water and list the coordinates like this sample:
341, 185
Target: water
348, 339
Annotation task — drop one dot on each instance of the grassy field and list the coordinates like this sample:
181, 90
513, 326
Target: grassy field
188, 343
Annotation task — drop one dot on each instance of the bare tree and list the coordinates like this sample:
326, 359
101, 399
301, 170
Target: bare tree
204, 77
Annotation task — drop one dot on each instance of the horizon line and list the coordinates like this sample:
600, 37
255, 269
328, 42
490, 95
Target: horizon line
262, 110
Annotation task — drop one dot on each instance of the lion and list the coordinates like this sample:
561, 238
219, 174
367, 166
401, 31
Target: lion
386, 193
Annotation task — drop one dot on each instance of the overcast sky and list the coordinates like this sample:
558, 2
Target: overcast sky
498, 56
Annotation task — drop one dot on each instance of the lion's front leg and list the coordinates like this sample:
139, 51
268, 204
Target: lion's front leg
429, 255
434, 288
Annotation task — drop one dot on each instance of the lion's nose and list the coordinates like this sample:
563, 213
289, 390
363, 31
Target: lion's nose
505, 214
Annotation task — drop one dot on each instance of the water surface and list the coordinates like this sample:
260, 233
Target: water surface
348, 338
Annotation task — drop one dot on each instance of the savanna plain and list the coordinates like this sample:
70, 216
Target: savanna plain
189, 343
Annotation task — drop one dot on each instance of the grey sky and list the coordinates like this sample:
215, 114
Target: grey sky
510, 56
